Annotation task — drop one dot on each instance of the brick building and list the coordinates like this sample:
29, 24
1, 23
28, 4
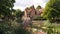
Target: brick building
32, 12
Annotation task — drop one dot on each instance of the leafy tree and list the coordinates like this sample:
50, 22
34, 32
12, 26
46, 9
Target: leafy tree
10, 26
6, 7
38, 7
19, 15
52, 10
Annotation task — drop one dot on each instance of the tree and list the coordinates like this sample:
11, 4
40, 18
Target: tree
19, 15
52, 10
6, 7
38, 7
8, 26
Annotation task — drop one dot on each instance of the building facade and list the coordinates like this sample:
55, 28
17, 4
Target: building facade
32, 12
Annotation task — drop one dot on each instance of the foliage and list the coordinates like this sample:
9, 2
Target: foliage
19, 13
48, 27
6, 7
39, 18
52, 9
38, 7
7, 27
10, 19
51, 28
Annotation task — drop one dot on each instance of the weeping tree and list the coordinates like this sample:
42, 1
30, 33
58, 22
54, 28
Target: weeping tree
52, 10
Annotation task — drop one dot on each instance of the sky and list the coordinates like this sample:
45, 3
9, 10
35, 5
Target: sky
22, 4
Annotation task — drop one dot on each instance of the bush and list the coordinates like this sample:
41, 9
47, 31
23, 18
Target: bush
7, 28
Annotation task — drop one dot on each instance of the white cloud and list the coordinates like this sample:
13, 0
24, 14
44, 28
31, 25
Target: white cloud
22, 4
